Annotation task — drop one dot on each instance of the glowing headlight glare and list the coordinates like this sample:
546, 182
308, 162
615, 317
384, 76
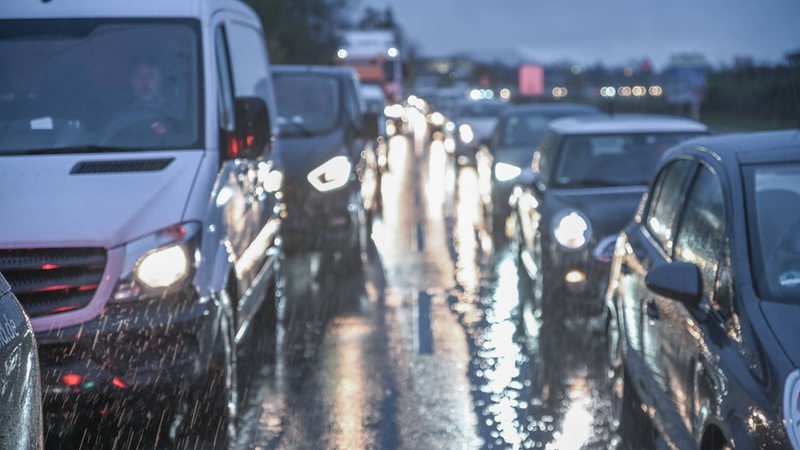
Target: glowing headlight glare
571, 229
332, 174
791, 407
465, 133
506, 172
163, 267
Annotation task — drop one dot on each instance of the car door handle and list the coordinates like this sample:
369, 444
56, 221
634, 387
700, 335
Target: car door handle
652, 310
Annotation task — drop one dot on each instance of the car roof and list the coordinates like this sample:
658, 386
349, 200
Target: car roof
762, 147
316, 69
38, 9
545, 108
626, 123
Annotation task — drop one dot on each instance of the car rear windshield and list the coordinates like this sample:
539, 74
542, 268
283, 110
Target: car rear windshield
774, 216
68, 85
624, 159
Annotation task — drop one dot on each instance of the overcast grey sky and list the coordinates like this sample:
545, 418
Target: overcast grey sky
615, 32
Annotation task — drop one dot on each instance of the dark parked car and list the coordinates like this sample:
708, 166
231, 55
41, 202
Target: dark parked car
585, 181
510, 148
21, 426
704, 298
330, 186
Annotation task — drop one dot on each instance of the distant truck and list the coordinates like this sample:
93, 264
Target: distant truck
376, 56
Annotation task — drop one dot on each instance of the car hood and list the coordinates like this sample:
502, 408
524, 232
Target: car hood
782, 320
301, 154
608, 208
100, 200
519, 156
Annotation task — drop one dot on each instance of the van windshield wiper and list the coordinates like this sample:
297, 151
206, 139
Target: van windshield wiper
73, 149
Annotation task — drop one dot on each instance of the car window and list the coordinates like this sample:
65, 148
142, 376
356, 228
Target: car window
775, 198
701, 233
665, 201
308, 103
611, 159
543, 156
132, 84
224, 82
522, 130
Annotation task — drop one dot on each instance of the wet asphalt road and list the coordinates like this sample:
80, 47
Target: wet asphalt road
422, 350
419, 350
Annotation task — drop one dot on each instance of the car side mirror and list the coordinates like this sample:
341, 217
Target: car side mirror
676, 280
253, 129
369, 128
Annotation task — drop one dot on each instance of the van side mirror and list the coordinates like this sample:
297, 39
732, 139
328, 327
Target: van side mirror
253, 133
369, 121
676, 280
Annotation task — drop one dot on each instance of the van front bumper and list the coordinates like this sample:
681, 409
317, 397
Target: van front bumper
140, 348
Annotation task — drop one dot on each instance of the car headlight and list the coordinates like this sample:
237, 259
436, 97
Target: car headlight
571, 229
791, 407
159, 263
506, 172
465, 133
332, 174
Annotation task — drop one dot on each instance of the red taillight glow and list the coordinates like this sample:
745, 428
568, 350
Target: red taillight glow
72, 379
233, 147
119, 383
49, 266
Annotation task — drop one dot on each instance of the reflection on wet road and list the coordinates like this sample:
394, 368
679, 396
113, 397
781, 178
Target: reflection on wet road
422, 349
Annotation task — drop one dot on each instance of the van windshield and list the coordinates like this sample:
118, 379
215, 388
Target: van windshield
71, 85
308, 104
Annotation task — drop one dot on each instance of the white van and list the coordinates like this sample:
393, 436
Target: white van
140, 226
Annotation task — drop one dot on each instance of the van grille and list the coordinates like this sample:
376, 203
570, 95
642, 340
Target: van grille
51, 281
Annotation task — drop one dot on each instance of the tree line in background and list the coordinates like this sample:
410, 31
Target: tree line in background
306, 31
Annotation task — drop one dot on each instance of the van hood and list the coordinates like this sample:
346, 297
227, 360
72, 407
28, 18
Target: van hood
102, 200
301, 154
782, 320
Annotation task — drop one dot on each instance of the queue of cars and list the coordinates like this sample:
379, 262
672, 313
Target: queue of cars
687, 246
509, 150
175, 210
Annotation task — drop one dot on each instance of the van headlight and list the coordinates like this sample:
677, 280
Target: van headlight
571, 229
332, 174
506, 172
159, 263
791, 407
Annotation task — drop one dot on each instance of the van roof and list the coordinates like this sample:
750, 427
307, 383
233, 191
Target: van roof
55, 9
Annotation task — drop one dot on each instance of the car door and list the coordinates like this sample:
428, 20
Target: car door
249, 208
649, 244
691, 337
